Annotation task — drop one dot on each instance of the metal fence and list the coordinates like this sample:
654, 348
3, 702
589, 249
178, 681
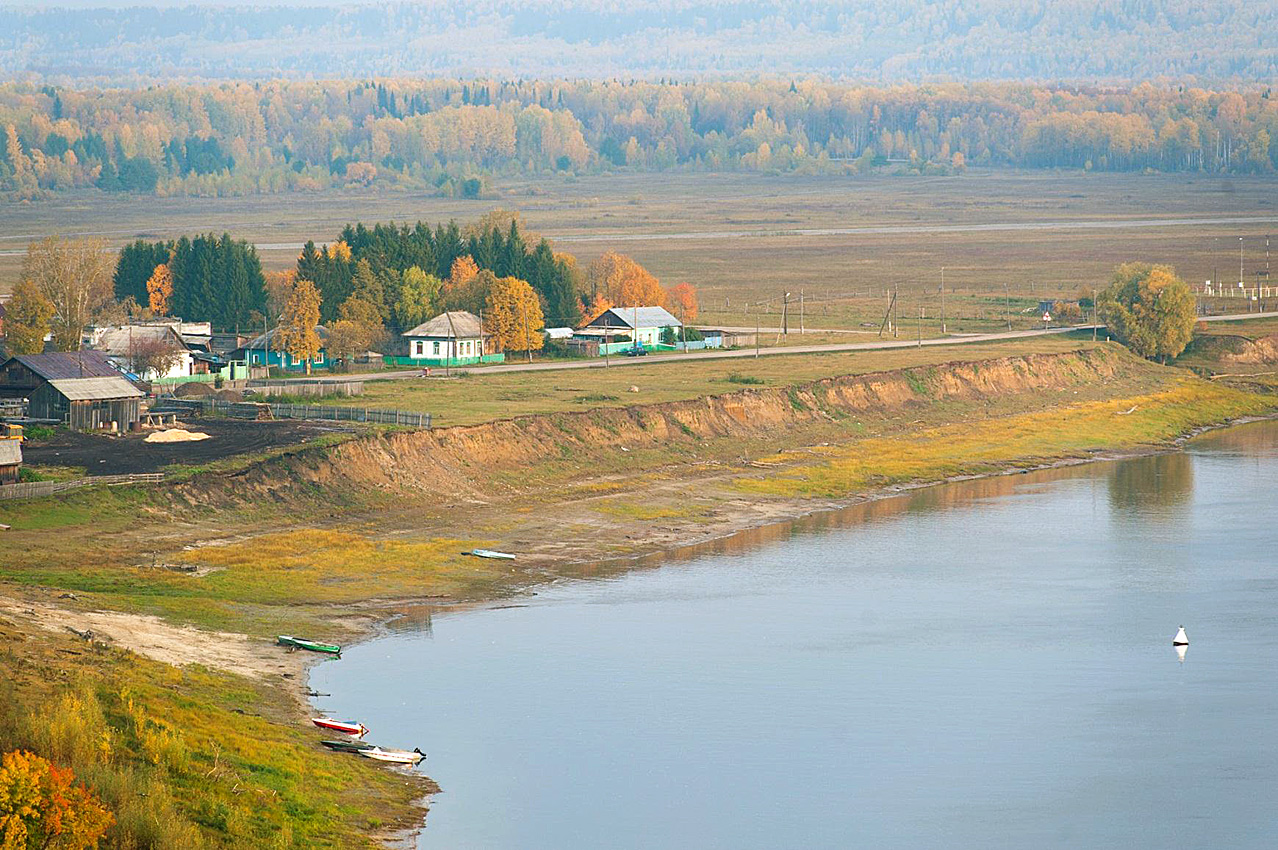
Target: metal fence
249, 410
48, 488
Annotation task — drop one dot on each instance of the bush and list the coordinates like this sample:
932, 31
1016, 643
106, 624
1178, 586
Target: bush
39, 432
749, 380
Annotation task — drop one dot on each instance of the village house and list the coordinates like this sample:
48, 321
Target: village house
149, 351
643, 325
80, 388
455, 338
264, 350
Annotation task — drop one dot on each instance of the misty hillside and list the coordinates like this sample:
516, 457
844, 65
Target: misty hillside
878, 40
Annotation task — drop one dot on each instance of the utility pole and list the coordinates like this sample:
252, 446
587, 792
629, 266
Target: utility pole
527, 338
802, 329
683, 327
943, 329
896, 291
1007, 306
1094, 314
785, 314
920, 326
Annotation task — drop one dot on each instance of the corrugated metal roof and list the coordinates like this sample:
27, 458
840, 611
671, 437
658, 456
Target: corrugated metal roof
261, 341
121, 340
636, 317
463, 325
10, 452
96, 389
69, 364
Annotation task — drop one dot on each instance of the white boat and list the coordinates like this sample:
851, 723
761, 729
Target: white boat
412, 756
489, 553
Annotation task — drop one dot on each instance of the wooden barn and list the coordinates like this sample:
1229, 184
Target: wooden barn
22, 374
88, 404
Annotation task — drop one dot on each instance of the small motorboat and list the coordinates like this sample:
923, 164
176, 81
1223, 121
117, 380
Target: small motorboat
412, 756
312, 645
346, 727
489, 553
347, 746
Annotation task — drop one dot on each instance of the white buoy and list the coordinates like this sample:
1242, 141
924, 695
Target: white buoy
1181, 638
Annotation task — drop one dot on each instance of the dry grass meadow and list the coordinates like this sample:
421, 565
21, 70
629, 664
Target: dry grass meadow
746, 239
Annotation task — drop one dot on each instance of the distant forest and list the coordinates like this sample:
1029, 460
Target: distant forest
1112, 41
241, 138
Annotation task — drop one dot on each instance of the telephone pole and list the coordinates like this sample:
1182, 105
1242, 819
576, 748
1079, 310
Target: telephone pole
943, 329
1007, 306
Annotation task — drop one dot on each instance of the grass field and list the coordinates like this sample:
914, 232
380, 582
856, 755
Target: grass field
732, 235
480, 396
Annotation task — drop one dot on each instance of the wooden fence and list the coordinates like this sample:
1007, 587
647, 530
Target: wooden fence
307, 388
48, 488
249, 410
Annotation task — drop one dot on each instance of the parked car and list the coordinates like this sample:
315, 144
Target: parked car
636, 351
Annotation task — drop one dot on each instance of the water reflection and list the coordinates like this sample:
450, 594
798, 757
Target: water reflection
412, 619
1158, 487
1181, 649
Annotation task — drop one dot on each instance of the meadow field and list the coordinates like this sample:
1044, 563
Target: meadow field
1005, 239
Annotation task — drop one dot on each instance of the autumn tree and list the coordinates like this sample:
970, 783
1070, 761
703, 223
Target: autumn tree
1148, 309
681, 301
364, 315
27, 317
418, 298
512, 315
154, 355
346, 339
597, 307
41, 806
297, 335
277, 287
624, 282
75, 276
159, 289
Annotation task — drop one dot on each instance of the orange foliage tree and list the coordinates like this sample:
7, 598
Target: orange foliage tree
681, 301
159, 289
624, 282
595, 309
42, 807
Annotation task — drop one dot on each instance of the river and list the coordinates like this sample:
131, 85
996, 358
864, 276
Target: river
973, 665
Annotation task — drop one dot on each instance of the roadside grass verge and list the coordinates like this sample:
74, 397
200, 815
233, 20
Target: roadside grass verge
1027, 439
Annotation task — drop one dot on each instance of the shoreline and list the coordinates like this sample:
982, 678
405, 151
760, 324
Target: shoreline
689, 549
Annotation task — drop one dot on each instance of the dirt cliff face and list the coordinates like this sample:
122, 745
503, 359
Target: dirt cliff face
460, 462
1262, 351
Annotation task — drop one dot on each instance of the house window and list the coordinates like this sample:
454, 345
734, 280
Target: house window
417, 348
435, 348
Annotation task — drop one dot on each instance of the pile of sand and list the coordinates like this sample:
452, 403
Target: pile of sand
176, 435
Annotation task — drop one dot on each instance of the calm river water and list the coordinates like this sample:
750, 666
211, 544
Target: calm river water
986, 664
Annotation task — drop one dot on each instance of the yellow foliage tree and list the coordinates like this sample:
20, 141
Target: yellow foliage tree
27, 319
512, 315
159, 289
595, 309
338, 251
297, 335
42, 807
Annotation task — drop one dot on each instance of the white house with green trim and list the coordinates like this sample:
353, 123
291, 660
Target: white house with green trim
454, 338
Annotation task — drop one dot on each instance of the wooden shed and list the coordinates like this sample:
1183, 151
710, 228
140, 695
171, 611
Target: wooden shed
10, 461
88, 404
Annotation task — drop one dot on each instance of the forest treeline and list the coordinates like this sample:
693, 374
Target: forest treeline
239, 138
873, 40
386, 278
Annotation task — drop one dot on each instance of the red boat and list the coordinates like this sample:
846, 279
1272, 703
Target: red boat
346, 727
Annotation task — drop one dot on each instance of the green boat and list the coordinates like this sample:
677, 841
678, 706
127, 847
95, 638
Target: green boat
312, 645
347, 746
